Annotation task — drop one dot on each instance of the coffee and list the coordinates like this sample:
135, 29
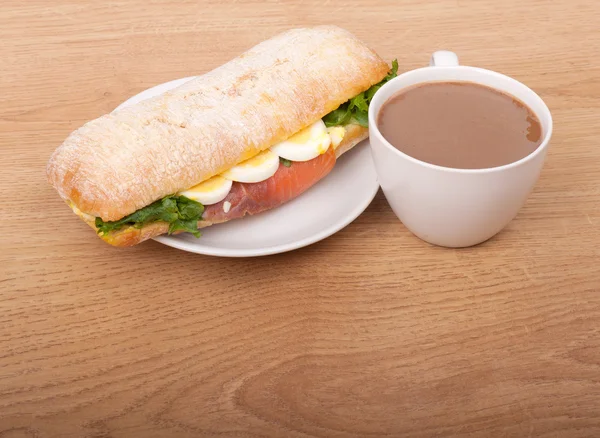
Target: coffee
461, 125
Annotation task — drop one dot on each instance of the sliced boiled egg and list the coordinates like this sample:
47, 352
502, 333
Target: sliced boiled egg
336, 133
305, 145
209, 192
256, 169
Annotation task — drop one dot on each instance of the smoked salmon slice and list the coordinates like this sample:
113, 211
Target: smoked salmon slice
284, 185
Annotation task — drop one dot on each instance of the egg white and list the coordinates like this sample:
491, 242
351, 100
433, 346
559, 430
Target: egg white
258, 168
209, 192
306, 144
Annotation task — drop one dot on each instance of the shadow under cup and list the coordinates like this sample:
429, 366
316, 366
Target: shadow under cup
455, 207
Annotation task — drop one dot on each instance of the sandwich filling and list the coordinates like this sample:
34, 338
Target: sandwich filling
300, 155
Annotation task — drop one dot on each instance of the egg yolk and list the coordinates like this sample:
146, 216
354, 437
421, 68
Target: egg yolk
209, 185
300, 137
257, 160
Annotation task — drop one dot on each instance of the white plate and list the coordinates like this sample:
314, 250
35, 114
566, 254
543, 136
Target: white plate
324, 209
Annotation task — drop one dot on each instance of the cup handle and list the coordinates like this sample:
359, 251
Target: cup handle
443, 58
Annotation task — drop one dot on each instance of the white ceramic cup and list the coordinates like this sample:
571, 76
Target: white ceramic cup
455, 207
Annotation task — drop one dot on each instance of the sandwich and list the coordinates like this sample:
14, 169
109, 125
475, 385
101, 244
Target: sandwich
239, 140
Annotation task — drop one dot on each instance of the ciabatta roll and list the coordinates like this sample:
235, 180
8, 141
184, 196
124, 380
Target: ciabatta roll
124, 161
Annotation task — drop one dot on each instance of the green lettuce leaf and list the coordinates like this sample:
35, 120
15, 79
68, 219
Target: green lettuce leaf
339, 117
181, 213
356, 110
286, 163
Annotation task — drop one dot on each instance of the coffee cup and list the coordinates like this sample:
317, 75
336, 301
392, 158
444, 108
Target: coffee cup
448, 206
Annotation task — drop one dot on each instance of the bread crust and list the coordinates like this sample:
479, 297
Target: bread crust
123, 161
130, 236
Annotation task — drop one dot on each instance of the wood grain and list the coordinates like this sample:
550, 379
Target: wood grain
368, 333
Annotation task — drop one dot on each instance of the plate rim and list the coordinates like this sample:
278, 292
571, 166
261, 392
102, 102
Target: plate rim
174, 242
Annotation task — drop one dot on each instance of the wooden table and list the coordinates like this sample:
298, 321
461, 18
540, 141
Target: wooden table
368, 333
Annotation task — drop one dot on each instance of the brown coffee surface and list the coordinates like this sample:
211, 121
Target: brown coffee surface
459, 124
